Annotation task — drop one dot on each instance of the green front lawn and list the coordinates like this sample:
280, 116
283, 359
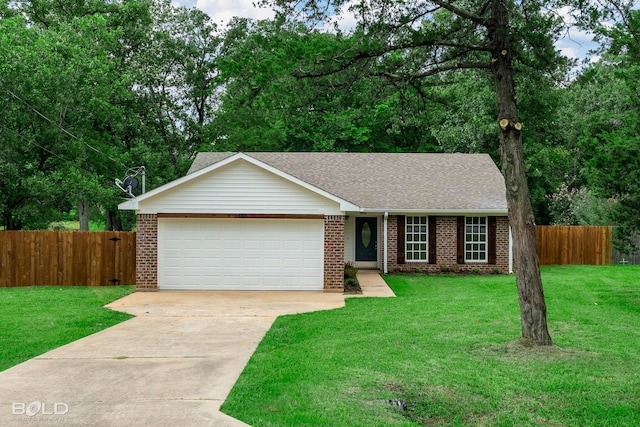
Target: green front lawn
445, 347
37, 319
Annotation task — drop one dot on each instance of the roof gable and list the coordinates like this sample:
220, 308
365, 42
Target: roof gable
420, 182
235, 181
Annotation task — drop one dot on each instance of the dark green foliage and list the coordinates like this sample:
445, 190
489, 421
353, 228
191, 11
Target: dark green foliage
350, 271
147, 83
605, 106
91, 89
351, 281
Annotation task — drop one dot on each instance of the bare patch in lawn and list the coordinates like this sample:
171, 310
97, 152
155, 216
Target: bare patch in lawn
518, 351
437, 405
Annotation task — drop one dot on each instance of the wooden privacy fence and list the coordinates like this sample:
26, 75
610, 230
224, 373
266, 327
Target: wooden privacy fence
562, 245
82, 258
67, 258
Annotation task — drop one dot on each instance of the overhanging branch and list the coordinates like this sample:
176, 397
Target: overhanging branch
437, 70
388, 49
461, 13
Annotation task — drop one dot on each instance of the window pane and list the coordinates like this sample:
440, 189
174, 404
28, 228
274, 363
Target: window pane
476, 238
416, 236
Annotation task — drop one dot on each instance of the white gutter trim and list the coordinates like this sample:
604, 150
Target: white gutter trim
437, 211
386, 254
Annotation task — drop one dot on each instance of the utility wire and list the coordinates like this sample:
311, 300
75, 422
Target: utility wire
30, 141
61, 128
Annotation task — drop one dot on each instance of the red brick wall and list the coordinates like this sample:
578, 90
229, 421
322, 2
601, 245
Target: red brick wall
334, 253
446, 241
446, 247
502, 244
147, 252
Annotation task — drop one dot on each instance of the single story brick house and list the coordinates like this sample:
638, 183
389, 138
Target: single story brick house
290, 221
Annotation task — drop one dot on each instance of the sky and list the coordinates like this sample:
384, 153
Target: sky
221, 11
575, 45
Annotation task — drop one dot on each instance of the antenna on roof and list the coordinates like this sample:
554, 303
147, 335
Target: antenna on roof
130, 183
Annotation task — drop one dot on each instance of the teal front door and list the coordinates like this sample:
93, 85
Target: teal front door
366, 239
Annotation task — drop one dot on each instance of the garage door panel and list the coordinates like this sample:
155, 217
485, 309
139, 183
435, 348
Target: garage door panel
252, 244
310, 245
272, 245
245, 254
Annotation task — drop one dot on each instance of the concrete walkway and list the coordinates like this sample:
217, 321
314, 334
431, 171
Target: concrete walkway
372, 285
173, 364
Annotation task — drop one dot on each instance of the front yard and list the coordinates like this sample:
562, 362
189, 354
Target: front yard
38, 319
443, 353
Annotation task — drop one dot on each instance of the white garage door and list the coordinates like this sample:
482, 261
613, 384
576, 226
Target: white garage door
240, 254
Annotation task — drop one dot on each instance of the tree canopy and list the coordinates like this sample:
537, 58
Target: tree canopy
92, 89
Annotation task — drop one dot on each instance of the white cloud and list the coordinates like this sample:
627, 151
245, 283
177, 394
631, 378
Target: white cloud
576, 44
221, 11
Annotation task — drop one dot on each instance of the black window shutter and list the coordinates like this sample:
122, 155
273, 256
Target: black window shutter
491, 255
401, 247
460, 240
433, 255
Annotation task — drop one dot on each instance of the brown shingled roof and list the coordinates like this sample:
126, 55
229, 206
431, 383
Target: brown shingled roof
394, 181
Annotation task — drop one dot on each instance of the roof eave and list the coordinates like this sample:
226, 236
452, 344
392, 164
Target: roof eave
498, 211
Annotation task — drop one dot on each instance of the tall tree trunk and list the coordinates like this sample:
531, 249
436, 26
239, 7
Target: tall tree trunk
113, 222
533, 309
128, 216
9, 223
83, 216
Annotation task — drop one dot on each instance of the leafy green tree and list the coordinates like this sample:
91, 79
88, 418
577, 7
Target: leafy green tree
408, 42
606, 105
93, 88
266, 107
177, 83
59, 85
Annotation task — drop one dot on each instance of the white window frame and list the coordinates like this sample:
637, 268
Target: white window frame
416, 238
476, 239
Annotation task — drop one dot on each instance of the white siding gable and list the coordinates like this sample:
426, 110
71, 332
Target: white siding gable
240, 187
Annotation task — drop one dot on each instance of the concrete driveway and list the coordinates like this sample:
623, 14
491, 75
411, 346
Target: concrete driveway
173, 364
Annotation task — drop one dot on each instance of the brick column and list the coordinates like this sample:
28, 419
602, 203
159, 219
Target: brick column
502, 244
392, 241
334, 253
147, 252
